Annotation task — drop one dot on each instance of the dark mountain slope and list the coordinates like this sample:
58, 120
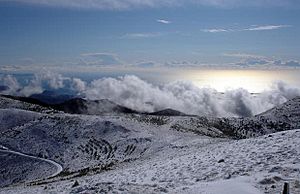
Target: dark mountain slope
97, 107
51, 97
168, 112
72, 106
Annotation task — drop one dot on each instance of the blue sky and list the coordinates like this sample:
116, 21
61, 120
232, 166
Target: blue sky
97, 32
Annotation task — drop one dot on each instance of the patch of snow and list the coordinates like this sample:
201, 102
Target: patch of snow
240, 185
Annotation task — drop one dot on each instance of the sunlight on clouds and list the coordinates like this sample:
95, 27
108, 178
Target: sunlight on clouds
254, 81
184, 95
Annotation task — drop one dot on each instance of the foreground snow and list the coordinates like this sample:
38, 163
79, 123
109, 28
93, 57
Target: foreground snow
238, 185
257, 165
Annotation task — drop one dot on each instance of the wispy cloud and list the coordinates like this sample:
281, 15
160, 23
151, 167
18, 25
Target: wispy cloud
253, 60
10, 68
290, 63
97, 54
142, 35
252, 28
267, 27
93, 63
100, 59
242, 55
164, 21
131, 4
215, 30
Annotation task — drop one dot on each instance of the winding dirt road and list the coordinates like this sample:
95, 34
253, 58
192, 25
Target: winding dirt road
58, 166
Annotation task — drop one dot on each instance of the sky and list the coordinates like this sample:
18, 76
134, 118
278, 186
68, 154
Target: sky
209, 33
220, 44
172, 53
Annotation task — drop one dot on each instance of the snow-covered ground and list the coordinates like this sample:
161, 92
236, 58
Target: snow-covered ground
257, 165
154, 154
59, 168
17, 168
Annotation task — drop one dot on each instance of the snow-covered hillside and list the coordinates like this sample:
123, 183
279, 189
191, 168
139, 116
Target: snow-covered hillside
281, 118
134, 153
17, 167
257, 165
287, 112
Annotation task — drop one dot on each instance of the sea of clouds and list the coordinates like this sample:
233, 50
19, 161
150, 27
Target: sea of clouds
138, 94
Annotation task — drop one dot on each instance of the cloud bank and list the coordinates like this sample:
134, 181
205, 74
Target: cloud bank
35, 85
251, 60
111, 62
184, 96
137, 94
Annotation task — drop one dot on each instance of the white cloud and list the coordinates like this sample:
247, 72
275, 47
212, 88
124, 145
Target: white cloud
11, 82
78, 85
34, 85
54, 80
267, 27
164, 21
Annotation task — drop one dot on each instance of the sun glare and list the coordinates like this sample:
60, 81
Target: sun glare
254, 81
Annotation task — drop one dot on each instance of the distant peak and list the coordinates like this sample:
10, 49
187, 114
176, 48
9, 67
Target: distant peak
168, 112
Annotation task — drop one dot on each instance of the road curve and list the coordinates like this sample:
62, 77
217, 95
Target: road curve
58, 166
